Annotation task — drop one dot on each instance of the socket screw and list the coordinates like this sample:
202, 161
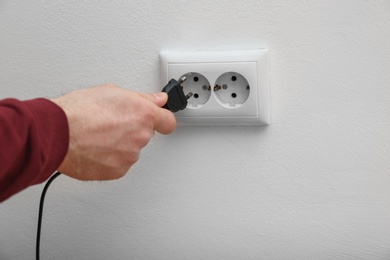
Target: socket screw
205, 87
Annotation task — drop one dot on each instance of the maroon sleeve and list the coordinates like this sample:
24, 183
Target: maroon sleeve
34, 139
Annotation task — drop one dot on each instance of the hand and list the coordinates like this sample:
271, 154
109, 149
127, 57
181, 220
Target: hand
108, 128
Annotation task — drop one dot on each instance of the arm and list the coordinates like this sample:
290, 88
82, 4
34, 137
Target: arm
109, 126
33, 142
89, 134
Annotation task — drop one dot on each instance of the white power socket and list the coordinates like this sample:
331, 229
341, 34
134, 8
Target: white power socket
229, 87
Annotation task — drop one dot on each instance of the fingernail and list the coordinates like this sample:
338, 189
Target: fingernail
160, 95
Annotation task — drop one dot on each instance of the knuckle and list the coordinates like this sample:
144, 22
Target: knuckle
144, 137
127, 160
121, 172
110, 85
172, 124
131, 159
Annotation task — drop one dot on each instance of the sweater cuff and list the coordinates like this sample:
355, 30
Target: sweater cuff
52, 121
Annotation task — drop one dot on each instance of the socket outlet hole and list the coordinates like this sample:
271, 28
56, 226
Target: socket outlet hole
231, 89
200, 86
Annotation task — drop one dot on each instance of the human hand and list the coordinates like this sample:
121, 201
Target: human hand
108, 127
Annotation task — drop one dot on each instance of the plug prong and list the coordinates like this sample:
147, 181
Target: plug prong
182, 79
189, 95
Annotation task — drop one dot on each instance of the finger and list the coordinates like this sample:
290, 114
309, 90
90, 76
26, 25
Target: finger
160, 99
164, 121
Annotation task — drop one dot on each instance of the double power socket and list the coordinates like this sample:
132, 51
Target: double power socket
229, 87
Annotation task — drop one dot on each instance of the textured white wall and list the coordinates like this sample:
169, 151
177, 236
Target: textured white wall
315, 184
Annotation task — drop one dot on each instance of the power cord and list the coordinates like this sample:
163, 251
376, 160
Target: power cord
37, 249
177, 100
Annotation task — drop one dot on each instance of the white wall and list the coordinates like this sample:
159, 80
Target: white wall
315, 184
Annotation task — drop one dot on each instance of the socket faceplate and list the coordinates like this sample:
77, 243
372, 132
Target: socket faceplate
246, 105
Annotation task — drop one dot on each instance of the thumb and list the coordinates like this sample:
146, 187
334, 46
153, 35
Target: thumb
160, 98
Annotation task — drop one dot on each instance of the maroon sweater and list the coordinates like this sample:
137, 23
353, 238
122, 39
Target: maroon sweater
34, 139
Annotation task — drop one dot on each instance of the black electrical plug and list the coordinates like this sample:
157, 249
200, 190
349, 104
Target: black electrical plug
177, 100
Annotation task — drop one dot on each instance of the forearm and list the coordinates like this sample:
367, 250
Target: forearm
34, 138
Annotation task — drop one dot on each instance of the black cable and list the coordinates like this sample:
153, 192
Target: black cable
177, 101
55, 175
